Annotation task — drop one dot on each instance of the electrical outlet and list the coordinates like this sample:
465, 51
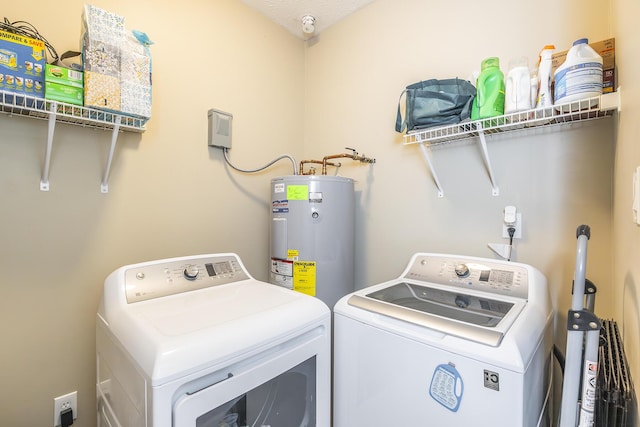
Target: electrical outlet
62, 403
518, 227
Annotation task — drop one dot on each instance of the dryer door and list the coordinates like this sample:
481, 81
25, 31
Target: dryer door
282, 391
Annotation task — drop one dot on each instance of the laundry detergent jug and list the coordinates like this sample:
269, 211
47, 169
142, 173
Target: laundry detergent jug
489, 100
518, 86
580, 75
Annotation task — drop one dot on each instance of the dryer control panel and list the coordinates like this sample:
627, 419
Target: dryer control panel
168, 277
499, 277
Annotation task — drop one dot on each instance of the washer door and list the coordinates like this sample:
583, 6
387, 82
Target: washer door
278, 392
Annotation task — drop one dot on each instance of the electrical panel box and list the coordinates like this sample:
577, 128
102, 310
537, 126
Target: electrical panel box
219, 129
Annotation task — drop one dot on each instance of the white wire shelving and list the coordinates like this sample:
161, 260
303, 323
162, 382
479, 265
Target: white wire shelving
59, 112
581, 110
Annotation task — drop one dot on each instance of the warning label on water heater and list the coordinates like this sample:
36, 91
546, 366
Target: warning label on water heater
293, 274
304, 277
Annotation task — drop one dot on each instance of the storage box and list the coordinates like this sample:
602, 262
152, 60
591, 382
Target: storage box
22, 61
64, 85
64, 93
63, 76
606, 49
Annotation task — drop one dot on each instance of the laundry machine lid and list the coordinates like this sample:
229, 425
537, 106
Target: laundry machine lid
474, 317
174, 335
469, 298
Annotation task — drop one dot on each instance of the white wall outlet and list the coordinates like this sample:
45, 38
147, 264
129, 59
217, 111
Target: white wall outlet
62, 403
518, 226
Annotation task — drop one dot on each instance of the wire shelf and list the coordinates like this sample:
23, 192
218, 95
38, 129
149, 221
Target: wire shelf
24, 105
585, 109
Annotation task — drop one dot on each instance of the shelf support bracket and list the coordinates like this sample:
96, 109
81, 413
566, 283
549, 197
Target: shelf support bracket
44, 180
104, 185
495, 191
426, 153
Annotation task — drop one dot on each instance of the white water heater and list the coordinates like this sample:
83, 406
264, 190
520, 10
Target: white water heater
312, 235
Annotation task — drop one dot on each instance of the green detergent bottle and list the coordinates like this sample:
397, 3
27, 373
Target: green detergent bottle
489, 100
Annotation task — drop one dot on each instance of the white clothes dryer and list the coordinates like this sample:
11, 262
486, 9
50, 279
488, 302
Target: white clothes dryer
454, 341
197, 342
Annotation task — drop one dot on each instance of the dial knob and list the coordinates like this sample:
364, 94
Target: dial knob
462, 270
191, 272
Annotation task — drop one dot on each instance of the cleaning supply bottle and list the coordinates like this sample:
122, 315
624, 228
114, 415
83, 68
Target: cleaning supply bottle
544, 98
517, 86
534, 88
580, 75
489, 100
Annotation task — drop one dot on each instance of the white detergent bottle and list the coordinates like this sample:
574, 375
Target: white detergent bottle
517, 87
545, 98
534, 88
579, 76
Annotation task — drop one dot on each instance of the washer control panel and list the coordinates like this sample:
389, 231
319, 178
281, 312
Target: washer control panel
505, 278
161, 279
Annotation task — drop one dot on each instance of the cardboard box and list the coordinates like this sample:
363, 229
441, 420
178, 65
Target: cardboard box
606, 49
64, 93
22, 61
64, 85
63, 76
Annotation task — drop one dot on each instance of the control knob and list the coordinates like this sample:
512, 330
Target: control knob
191, 272
462, 270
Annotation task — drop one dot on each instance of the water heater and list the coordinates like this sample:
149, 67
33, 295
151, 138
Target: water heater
312, 235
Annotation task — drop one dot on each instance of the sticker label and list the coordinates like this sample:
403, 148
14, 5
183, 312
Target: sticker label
304, 277
282, 272
278, 188
589, 392
447, 387
280, 206
292, 254
315, 197
298, 192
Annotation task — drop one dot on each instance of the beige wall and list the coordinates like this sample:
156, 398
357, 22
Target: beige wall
626, 235
170, 195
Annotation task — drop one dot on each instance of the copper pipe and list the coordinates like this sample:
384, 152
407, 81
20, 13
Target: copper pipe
354, 155
318, 162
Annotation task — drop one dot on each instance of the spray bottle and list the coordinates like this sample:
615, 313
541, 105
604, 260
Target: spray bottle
545, 98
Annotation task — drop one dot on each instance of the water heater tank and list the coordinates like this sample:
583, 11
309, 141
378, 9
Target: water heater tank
312, 235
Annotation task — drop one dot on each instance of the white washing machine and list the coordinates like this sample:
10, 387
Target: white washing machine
454, 341
196, 341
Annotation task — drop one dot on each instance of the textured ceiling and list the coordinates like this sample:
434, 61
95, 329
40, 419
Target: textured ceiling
289, 13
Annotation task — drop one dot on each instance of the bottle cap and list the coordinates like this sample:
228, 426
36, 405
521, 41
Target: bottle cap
581, 41
490, 62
